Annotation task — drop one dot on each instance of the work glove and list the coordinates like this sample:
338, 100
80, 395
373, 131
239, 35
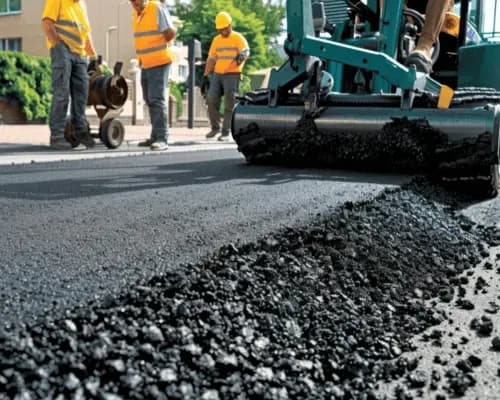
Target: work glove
92, 66
205, 84
240, 58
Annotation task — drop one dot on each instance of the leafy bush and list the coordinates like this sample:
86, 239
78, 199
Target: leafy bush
175, 90
106, 70
26, 80
245, 85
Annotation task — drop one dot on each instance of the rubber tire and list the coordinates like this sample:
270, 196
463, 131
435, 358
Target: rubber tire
494, 181
112, 133
487, 188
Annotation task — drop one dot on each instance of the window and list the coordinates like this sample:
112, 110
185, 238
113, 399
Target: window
13, 44
10, 6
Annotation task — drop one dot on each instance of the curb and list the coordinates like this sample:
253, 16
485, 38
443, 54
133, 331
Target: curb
19, 154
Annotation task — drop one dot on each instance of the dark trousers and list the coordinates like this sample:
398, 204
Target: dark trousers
70, 80
222, 85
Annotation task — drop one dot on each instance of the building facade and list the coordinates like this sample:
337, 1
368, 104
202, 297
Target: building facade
111, 23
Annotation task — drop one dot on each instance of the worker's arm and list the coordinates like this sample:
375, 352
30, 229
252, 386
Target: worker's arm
209, 66
243, 50
49, 28
89, 48
166, 24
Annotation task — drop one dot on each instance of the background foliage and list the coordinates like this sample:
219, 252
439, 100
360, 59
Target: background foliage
176, 90
26, 80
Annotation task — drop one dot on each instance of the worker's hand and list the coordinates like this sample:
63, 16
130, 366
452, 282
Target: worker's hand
92, 65
240, 58
205, 84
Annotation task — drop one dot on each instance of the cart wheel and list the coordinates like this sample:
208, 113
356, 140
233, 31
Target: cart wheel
69, 136
112, 133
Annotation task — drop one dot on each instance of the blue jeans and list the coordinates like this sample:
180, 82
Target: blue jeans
70, 79
154, 82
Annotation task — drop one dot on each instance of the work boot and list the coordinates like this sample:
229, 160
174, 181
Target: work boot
224, 137
60, 143
145, 143
84, 138
213, 133
420, 60
421, 55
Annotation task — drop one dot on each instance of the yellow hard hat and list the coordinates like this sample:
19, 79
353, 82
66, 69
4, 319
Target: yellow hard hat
222, 20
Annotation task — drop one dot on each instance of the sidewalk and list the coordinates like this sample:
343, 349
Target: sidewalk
26, 144
39, 135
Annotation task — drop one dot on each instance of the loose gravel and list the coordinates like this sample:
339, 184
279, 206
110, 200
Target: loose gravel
321, 312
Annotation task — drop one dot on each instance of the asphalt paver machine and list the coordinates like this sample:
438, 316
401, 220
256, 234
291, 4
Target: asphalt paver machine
345, 99
107, 95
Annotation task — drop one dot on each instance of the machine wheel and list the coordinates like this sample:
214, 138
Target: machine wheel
252, 145
112, 133
494, 183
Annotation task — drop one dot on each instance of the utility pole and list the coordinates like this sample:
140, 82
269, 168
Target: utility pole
194, 55
108, 32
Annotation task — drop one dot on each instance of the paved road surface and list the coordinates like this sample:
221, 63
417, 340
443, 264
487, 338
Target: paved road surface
77, 230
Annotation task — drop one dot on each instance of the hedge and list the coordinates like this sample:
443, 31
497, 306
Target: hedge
26, 80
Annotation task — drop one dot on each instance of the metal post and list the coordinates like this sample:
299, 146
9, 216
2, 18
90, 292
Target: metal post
118, 29
134, 73
194, 54
108, 31
464, 15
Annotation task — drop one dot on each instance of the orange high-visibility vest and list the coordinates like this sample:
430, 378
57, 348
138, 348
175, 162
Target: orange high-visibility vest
224, 50
150, 44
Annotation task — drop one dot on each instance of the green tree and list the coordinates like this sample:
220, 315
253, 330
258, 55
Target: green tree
258, 21
268, 11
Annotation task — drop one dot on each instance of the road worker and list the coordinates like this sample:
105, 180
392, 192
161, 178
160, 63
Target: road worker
435, 12
153, 31
227, 54
66, 27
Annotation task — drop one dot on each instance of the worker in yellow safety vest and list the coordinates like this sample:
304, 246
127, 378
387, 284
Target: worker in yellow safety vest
67, 29
226, 57
153, 31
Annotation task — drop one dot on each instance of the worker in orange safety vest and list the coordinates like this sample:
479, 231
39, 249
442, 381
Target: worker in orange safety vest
153, 31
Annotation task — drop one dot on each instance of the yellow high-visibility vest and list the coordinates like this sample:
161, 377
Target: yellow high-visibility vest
71, 23
151, 47
224, 50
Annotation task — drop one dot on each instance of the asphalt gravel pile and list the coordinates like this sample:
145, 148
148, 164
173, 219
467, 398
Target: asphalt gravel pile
402, 145
322, 312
